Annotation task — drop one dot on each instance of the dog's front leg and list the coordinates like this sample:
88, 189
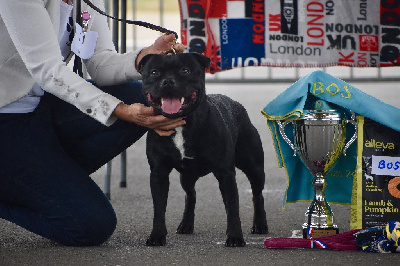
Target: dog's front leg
230, 196
159, 184
187, 224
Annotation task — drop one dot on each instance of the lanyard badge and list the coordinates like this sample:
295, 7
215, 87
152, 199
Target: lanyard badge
85, 20
84, 42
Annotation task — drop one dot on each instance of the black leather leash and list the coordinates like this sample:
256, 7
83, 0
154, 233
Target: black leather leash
134, 22
78, 62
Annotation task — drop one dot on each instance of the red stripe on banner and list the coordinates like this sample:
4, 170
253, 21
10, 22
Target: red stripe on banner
390, 23
196, 31
390, 12
184, 37
197, 8
218, 9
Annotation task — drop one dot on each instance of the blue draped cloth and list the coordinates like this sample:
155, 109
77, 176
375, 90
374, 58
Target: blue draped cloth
291, 103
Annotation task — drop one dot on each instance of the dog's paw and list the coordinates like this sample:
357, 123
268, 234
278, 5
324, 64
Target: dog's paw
260, 229
185, 228
235, 242
156, 240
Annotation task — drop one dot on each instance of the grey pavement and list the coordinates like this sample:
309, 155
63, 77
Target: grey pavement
133, 206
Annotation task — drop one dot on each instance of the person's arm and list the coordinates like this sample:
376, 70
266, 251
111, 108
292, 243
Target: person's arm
33, 27
107, 67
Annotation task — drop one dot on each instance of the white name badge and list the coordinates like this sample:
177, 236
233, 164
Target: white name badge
385, 165
84, 43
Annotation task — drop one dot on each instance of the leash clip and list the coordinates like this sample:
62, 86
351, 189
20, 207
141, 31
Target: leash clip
172, 50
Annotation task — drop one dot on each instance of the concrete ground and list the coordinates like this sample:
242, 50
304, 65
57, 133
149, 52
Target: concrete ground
133, 206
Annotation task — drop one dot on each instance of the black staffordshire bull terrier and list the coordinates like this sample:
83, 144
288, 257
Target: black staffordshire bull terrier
218, 136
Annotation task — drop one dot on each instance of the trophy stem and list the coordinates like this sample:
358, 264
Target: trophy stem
319, 216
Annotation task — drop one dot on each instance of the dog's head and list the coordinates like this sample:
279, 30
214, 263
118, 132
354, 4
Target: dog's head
174, 84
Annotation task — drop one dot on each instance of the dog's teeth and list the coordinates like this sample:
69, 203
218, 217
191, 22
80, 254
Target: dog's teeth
182, 100
162, 101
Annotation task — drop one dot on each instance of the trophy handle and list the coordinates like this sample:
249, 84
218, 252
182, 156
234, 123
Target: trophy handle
354, 137
283, 134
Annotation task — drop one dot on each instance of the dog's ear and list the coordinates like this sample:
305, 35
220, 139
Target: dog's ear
202, 59
143, 61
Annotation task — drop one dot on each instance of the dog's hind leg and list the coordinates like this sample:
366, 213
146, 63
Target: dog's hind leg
230, 196
187, 224
256, 178
250, 159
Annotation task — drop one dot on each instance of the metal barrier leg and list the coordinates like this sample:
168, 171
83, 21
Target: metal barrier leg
115, 37
122, 183
107, 180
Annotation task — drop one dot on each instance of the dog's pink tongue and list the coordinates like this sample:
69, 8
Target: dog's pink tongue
171, 105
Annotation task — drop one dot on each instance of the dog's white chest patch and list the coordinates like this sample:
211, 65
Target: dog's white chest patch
179, 142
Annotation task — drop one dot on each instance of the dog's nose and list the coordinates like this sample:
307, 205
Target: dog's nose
168, 83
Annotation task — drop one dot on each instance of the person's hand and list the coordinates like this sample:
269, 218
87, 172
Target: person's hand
160, 46
165, 43
146, 117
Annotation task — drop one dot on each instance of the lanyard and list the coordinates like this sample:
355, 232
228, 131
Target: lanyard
134, 22
78, 19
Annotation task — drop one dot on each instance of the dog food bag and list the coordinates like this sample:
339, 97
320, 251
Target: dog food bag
376, 187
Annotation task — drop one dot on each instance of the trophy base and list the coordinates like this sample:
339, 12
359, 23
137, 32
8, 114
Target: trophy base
320, 232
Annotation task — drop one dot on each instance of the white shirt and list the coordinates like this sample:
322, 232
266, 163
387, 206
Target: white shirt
29, 103
30, 53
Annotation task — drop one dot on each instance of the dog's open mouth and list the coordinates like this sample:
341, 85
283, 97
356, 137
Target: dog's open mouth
172, 105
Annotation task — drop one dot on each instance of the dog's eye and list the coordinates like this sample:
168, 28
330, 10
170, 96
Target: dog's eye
185, 71
154, 72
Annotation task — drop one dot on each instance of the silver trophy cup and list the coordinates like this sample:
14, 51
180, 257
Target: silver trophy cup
319, 139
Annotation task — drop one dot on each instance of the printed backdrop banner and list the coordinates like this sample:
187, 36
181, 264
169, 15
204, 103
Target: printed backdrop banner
293, 33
